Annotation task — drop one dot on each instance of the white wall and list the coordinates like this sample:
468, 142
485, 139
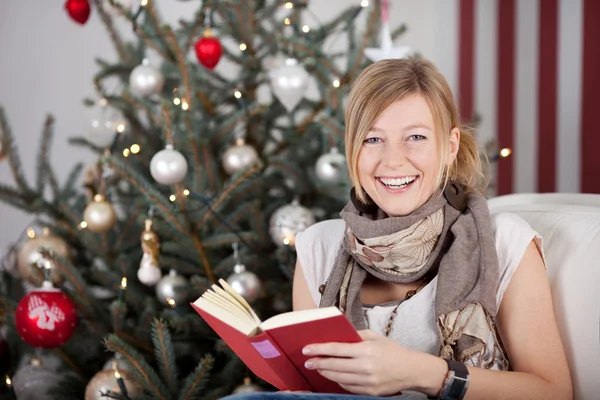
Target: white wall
47, 64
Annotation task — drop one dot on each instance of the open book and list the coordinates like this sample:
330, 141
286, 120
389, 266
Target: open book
272, 349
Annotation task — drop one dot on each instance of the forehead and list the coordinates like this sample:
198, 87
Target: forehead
410, 111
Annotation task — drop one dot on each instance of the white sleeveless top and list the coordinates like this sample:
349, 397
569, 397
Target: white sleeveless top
415, 324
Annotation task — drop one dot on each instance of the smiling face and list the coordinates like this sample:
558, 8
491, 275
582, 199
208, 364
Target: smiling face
399, 160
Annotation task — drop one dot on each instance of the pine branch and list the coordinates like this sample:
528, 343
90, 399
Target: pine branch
118, 311
227, 239
154, 196
160, 31
360, 52
165, 354
143, 105
210, 169
13, 157
196, 381
44, 150
112, 32
145, 374
193, 31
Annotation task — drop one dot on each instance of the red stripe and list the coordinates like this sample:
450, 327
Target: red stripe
466, 60
506, 92
547, 89
590, 105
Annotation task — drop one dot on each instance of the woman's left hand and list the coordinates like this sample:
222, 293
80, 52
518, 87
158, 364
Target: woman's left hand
378, 366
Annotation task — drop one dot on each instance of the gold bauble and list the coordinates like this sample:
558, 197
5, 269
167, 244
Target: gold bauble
105, 380
99, 215
29, 255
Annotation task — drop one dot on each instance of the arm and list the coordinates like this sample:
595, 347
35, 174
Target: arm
301, 297
528, 331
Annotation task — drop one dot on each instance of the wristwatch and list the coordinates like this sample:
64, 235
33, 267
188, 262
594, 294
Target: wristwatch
456, 383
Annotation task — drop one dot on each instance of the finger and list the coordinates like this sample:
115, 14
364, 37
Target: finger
351, 365
345, 378
333, 349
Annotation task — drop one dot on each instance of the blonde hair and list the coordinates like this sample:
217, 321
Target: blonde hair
387, 81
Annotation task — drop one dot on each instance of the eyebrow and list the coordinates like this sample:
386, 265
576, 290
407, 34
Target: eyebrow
406, 128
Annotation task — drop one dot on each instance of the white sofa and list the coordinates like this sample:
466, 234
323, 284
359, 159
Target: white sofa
570, 226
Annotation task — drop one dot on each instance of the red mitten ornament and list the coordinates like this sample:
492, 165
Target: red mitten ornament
208, 50
46, 317
79, 10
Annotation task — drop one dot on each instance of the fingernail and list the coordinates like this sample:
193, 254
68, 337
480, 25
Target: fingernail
308, 365
306, 351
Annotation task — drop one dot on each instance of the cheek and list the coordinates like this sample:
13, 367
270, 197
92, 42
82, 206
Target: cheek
425, 159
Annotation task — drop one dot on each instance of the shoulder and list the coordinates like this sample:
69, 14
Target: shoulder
317, 247
513, 235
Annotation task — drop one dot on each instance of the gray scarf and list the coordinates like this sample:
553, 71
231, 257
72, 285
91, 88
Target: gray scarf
450, 234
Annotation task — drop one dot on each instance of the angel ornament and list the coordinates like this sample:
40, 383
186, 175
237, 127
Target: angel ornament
149, 273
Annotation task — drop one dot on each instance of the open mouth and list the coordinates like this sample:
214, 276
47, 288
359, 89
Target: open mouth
397, 183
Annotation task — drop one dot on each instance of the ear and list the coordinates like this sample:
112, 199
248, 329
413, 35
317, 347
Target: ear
454, 144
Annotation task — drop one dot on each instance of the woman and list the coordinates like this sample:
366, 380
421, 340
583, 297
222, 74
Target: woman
450, 302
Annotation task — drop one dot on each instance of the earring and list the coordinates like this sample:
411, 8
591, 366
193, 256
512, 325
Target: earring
370, 208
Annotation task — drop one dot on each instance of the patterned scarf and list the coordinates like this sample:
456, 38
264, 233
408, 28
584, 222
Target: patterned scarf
450, 234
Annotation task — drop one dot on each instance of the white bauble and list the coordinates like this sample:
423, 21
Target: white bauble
287, 221
289, 83
99, 215
168, 166
331, 167
238, 157
103, 125
149, 273
245, 283
145, 80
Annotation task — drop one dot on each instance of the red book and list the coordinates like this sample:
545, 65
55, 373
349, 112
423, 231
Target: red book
273, 349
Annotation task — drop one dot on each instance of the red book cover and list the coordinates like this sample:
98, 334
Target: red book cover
263, 357
293, 338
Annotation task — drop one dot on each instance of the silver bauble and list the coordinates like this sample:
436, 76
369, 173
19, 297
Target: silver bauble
288, 220
103, 125
247, 387
29, 257
331, 167
289, 83
168, 166
245, 283
99, 215
118, 362
32, 382
238, 157
146, 80
105, 380
173, 289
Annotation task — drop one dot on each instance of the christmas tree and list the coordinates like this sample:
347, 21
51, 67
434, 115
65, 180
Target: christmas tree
201, 175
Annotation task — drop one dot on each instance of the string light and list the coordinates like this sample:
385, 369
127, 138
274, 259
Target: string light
289, 5
123, 283
172, 197
305, 28
83, 225
126, 152
30, 233
171, 302
8, 381
237, 94
176, 101
286, 241
243, 46
144, 3
135, 148
287, 21
186, 192
121, 128
505, 152
336, 83
364, 3
184, 105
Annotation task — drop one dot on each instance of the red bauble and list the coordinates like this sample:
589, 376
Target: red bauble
208, 50
46, 318
79, 10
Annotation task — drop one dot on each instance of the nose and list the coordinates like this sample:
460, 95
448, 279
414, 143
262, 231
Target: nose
393, 156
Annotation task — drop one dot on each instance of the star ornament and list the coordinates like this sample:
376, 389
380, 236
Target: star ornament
386, 50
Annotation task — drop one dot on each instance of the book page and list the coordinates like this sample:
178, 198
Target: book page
230, 299
297, 317
221, 302
240, 299
242, 325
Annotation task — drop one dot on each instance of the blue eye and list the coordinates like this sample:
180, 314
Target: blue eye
417, 137
371, 140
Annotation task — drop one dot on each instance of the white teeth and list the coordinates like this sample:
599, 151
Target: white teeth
397, 182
